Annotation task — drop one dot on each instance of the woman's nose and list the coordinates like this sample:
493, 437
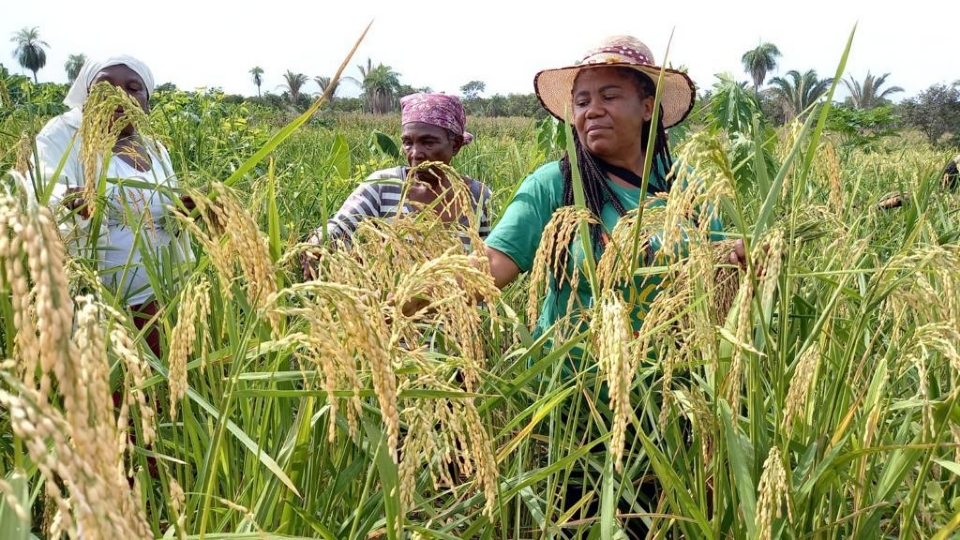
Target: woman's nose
415, 152
593, 109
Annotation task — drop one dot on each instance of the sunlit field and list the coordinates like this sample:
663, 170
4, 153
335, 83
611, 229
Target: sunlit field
813, 394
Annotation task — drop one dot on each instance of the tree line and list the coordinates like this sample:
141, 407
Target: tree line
934, 111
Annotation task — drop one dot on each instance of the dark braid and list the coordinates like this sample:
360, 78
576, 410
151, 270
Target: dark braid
661, 146
597, 192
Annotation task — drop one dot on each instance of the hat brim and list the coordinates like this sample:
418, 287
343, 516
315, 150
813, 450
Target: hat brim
554, 89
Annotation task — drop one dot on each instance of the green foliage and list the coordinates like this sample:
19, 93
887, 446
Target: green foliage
551, 138
11, 528
348, 105
936, 113
23, 98
294, 82
870, 448
473, 89
498, 105
863, 128
868, 94
24, 107
204, 132
734, 114
797, 92
384, 145
381, 87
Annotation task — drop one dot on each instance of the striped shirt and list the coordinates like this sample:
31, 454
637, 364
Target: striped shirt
379, 197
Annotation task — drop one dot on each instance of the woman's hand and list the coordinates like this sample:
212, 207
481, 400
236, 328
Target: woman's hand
188, 203
738, 255
410, 307
308, 265
73, 200
310, 259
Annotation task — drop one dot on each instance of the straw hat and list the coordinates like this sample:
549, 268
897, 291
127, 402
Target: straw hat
554, 87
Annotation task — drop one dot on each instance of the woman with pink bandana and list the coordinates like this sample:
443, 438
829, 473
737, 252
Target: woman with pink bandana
432, 130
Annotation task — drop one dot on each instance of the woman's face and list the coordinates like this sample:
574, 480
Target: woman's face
425, 142
609, 112
127, 80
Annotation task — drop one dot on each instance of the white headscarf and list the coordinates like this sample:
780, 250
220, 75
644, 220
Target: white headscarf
78, 93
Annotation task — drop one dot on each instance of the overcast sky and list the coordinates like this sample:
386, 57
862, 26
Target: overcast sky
202, 43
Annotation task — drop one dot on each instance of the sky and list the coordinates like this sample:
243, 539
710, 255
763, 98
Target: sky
205, 43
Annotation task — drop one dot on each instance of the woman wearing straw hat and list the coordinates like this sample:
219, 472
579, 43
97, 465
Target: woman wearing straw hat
609, 97
139, 179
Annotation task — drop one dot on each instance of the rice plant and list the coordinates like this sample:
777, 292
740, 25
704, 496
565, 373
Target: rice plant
813, 394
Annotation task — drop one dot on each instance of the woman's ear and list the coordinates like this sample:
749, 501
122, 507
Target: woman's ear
457, 144
647, 103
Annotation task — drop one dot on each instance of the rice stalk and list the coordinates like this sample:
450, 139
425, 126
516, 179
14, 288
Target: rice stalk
612, 332
343, 328
803, 373
233, 239
107, 111
774, 494
192, 314
551, 263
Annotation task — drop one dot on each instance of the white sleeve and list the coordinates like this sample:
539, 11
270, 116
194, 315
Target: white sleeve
58, 150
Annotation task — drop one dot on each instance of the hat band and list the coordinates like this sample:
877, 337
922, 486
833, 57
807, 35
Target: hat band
633, 54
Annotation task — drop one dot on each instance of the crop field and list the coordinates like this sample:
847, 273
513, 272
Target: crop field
814, 394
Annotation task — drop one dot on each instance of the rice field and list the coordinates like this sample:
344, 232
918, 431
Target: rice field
814, 395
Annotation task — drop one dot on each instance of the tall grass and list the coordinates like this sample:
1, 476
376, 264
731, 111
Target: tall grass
813, 395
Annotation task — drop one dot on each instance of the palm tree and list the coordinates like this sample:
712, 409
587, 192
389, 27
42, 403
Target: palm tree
365, 69
294, 82
323, 82
380, 87
757, 62
30, 50
73, 65
257, 73
797, 91
868, 94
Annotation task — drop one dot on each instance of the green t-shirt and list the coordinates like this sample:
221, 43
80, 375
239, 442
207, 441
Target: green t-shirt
517, 235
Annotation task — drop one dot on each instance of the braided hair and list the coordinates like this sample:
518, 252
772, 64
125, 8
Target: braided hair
596, 190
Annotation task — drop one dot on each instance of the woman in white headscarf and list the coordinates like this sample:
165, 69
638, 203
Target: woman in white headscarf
135, 233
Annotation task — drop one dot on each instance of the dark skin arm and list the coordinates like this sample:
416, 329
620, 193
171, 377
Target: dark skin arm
502, 268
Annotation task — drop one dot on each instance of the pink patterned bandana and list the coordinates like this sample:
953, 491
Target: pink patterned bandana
438, 110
